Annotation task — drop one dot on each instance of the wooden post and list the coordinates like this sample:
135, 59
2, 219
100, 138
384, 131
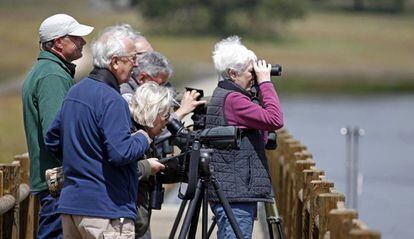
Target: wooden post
301, 165
308, 175
340, 221
325, 203
293, 146
303, 161
11, 180
28, 212
24, 167
317, 187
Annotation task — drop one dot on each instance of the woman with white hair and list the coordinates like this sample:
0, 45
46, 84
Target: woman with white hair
243, 173
150, 110
150, 107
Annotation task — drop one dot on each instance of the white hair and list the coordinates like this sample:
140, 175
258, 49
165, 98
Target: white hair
111, 42
231, 54
149, 100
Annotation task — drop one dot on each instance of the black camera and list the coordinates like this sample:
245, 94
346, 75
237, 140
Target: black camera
176, 167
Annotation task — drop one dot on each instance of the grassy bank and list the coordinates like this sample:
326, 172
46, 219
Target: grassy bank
374, 50
12, 140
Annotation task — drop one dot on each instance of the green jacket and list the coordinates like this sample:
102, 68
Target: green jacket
43, 91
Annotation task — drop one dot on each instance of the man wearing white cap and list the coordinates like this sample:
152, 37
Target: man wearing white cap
43, 91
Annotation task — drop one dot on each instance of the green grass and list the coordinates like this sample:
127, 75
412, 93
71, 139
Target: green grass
12, 140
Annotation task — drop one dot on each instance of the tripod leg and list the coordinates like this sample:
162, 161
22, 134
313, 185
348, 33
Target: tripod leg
227, 209
213, 224
269, 226
205, 213
190, 212
280, 230
196, 215
273, 218
178, 219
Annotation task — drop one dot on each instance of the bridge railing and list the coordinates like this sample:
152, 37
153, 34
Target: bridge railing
18, 208
308, 201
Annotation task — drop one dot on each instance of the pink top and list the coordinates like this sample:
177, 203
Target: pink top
242, 112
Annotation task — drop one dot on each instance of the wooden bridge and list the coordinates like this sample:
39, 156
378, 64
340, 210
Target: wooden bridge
307, 200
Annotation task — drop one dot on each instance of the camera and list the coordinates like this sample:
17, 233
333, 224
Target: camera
183, 168
176, 167
199, 113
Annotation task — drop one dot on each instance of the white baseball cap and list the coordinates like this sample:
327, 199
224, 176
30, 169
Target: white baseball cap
60, 25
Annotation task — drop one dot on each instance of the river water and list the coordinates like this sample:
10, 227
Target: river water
386, 151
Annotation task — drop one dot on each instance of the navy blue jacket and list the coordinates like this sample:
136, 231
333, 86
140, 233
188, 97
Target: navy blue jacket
100, 156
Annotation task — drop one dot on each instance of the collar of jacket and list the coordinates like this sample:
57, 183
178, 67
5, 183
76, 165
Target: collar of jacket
106, 76
67, 66
230, 85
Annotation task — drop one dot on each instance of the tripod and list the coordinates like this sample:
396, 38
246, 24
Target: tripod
200, 198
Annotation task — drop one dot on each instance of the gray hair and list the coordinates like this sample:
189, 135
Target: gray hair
231, 54
47, 46
153, 63
148, 101
111, 42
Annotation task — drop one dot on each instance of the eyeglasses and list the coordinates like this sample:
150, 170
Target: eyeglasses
166, 115
132, 57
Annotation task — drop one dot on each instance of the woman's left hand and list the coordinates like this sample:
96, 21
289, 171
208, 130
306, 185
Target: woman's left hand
262, 70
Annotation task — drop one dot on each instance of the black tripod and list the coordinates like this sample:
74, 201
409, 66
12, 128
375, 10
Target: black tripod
200, 198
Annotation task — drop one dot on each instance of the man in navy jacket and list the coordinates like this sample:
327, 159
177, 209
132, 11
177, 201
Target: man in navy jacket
100, 155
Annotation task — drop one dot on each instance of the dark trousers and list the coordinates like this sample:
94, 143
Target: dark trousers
50, 224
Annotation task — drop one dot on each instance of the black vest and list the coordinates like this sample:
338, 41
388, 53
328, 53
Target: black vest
243, 173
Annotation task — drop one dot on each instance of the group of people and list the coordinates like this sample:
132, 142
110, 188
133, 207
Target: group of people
101, 129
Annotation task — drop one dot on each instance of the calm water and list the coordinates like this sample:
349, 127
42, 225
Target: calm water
386, 152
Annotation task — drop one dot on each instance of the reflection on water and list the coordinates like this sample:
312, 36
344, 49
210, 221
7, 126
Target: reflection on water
386, 151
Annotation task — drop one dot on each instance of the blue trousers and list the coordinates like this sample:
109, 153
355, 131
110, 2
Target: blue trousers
50, 224
244, 214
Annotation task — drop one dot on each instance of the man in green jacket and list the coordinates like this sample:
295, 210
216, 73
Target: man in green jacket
43, 91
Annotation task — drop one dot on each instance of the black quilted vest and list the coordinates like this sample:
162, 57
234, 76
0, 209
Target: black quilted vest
243, 173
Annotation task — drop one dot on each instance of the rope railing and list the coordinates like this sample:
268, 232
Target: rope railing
309, 203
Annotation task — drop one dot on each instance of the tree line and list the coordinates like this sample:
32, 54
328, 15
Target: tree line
256, 18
